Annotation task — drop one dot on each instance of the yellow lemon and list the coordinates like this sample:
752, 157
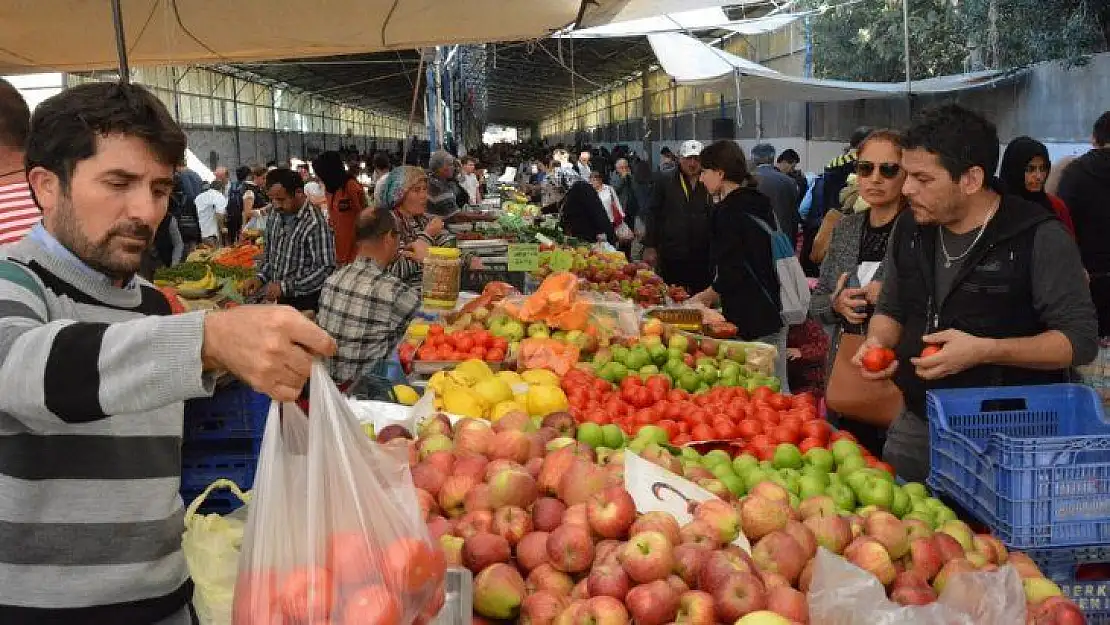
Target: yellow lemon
511, 377
405, 394
505, 408
540, 376
418, 330
494, 390
544, 399
465, 402
474, 369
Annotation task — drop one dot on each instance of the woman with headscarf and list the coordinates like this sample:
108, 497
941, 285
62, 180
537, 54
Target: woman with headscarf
346, 199
1025, 168
404, 191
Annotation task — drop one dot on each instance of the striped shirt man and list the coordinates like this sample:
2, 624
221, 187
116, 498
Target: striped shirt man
93, 378
18, 212
299, 252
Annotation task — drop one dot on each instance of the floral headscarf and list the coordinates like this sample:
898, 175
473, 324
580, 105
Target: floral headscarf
391, 189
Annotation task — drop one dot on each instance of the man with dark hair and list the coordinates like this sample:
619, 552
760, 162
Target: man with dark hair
678, 227
364, 308
299, 254
94, 371
994, 282
667, 160
1084, 188
381, 167
18, 212
777, 186
787, 163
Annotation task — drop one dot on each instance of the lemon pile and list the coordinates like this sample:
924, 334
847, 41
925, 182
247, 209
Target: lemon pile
472, 389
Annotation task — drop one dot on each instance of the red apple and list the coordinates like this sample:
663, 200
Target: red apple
770, 490
499, 465
570, 548
923, 558
695, 607
562, 423
482, 550
789, 603
471, 465
511, 523
821, 505
653, 603
577, 515
949, 548
510, 445
609, 580
778, 552
438, 526
889, 531
473, 436
515, 420
498, 592
546, 578
541, 608
700, 532
427, 503
601, 610
869, 555
580, 482
722, 516
760, 516
648, 556
1056, 611
478, 499
719, 566
534, 465
547, 513
737, 595
428, 477
806, 578
607, 552
452, 497
688, 560
531, 550
657, 522
474, 523
442, 460
611, 512
805, 538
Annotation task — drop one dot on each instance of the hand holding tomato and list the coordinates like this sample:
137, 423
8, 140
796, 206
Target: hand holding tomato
956, 351
876, 362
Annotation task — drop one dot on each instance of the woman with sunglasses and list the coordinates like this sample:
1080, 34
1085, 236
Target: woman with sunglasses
1024, 171
859, 242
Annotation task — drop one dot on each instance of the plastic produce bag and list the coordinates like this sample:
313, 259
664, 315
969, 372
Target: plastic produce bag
335, 533
844, 594
211, 544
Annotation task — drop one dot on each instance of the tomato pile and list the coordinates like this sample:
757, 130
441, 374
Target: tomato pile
462, 345
754, 422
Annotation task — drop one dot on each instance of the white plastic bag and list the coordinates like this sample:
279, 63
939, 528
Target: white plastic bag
211, 544
335, 533
843, 594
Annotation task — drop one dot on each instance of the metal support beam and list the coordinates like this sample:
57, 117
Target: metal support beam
121, 42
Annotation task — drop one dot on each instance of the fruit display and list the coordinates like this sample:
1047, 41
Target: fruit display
611, 272
538, 510
472, 389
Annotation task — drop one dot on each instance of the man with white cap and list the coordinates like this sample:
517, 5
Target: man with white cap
678, 232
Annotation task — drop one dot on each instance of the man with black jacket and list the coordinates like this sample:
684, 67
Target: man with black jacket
994, 282
677, 238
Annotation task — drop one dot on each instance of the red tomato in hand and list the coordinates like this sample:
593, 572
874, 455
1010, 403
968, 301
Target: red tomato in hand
930, 350
373, 605
878, 359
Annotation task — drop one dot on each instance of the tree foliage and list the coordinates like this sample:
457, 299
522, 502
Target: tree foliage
864, 40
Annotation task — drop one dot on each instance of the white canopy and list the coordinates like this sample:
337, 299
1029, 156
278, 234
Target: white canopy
699, 19
692, 62
78, 35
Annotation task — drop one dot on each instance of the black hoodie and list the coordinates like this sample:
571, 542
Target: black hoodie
1085, 188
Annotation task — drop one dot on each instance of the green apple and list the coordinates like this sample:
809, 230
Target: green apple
753, 477
818, 474
876, 492
743, 462
602, 358
658, 354
705, 360
856, 479
793, 479
703, 387
620, 354
901, 504
722, 468
843, 497
916, 490
729, 381
674, 353
650, 341
689, 382
613, 435
715, 457
943, 515
591, 434
787, 456
561, 336
734, 483
882, 475
637, 445
679, 342
708, 373
810, 485
653, 434
921, 516
689, 452
835, 478
766, 465
850, 464
538, 330
649, 370
844, 449
729, 369
820, 458
638, 358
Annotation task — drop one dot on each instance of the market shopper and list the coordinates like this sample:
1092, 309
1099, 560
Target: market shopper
859, 243
614, 210
364, 308
780, 188
443, 189
256, 200
345, 200
299, 254
995, 282
745, 281
1024, 170
211, 207
18, 213
678, 232
1084, 188
787, 163
94, 371
468, 180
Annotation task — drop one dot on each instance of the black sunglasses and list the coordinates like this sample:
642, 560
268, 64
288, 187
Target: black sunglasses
889, 171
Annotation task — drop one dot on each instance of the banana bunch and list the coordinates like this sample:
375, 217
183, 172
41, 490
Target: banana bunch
199, 288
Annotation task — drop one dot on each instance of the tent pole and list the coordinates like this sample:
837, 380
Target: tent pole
412, 109
906, 47
121, 42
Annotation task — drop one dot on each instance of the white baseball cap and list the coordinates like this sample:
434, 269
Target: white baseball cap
691, 148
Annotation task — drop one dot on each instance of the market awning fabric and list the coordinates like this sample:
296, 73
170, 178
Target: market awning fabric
78, 35
712, 18
691, 62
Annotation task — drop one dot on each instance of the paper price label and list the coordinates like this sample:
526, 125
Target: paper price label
524, 256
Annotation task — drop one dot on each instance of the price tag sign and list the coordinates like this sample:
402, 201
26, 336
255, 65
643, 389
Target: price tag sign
524, 256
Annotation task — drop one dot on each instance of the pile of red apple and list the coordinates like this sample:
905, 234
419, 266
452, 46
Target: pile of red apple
553, 537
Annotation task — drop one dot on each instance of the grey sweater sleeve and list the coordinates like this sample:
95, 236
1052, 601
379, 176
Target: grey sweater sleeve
1060, 293
77, 372
820, 304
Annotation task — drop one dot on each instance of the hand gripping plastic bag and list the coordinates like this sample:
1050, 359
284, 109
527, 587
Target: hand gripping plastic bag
211, 544
844, 594
335, 533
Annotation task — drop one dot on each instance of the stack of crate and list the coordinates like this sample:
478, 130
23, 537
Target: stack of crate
222, 438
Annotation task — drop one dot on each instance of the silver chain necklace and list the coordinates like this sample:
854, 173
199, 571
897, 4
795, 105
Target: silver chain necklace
948, 258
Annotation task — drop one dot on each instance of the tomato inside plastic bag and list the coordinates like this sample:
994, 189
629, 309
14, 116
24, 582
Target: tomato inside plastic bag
334, 533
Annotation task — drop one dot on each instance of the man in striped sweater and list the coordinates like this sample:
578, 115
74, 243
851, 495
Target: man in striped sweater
94, 372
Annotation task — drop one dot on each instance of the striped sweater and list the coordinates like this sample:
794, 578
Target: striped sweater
92, 383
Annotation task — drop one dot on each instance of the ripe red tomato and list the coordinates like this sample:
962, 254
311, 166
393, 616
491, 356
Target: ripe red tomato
495, 355
602, 386
761, 440
724, 430
410, 564
808, 444
702, 432
930, 350
878, 359
632, 381
598, 416
682, 439
426, 352
435, 329
670, 427
784, 434
763, 452
842, 435
779, 402
803, 399
500, 343
816, 429
791, 420
749, 428
677, 394
767, 416
373, 605
306, 593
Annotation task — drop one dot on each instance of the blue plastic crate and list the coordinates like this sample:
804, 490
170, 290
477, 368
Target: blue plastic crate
1033, 463
234, 411
204, 463
1089, 591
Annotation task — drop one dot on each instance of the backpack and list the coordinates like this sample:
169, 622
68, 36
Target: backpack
235, 201
184, 210
794, 294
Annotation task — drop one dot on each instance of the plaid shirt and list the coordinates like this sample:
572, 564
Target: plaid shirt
299, 255
366, 311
